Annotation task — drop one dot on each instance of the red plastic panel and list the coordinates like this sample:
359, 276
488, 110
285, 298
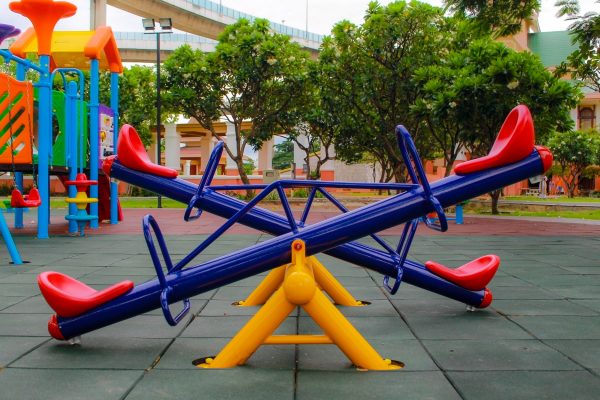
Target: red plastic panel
70, 297
17, 200
514, 142
132, 154
474, 275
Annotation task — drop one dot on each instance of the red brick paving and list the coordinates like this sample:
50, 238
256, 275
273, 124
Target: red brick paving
171, 222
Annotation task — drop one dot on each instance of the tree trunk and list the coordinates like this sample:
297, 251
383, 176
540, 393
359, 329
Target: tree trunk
495, 195
244, 177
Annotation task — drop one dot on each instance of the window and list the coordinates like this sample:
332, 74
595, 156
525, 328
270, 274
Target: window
587, 117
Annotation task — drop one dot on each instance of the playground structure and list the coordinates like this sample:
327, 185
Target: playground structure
67, 130
80, 309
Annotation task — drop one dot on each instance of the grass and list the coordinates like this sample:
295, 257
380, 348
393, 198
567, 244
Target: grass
128, 202
590, 215
554, 199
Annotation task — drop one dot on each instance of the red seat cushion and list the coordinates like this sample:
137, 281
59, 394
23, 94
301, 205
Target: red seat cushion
514, 143
70, 297
132, 154
474, 275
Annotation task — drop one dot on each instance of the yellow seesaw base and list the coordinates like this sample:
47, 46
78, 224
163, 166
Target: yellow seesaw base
299, 289
325, 280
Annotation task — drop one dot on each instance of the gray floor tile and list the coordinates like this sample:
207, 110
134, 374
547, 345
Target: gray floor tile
527, 385
540, 307
561, 327
477, 325
242, 382
96, 353
374, 385
585, 352
497, 355
13, 347
185, 350
56, 384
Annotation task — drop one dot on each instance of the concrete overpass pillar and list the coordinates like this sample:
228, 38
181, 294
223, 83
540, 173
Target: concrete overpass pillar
172, 149
231, 166
265, 156
97, 13
299, 155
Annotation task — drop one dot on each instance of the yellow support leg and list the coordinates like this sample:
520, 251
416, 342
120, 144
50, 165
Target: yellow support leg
324, 278
299, 288
265, 289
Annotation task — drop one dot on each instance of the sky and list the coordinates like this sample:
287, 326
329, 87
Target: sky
322, 14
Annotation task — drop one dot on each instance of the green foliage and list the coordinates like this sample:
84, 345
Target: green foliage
283, 154
137, 99
249, 167
498, 17
254, 74
584, 63
471, 94
574, 151
368, 71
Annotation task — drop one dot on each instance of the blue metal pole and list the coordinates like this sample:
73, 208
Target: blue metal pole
21, 75
459, 214
72, 134
319, 237
94, 136
44, 137
10, 244
114, 186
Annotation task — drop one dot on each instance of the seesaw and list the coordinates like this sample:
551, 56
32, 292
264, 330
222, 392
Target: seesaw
80, 309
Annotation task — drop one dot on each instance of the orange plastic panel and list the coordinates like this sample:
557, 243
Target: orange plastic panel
44, 14
16, 120
474, 275
514, 143
70, 297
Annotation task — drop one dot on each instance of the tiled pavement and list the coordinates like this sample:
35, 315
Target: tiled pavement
540, 339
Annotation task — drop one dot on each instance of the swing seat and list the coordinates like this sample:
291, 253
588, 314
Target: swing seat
70, 297
132, 154
474, 275
17, 200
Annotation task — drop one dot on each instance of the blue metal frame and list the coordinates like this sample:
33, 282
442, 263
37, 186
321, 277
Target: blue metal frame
21, 75
114, 185
94, 136
331, 236
10, 243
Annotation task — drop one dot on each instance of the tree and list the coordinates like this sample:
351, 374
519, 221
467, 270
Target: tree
584, 63
574, 151
498, 17
484, 81
369, 71
137, 99
253, 75
283, 154
318, 123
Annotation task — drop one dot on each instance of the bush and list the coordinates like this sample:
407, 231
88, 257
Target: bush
136, 191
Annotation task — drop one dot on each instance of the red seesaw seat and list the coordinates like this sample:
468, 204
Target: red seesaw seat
132, 154
17, 200
70, 297
474, 275
515, 141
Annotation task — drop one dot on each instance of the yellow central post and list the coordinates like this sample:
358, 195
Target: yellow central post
325, 280
299, 288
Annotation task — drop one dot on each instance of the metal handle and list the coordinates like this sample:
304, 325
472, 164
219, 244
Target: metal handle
418, 176
211, 169
150, 223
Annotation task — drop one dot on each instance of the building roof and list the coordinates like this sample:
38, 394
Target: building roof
552, 47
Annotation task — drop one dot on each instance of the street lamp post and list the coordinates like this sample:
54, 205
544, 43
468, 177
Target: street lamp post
151, 28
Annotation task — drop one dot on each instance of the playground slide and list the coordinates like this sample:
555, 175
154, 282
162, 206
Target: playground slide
513, 158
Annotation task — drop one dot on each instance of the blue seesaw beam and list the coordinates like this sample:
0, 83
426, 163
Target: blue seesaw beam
324, 236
